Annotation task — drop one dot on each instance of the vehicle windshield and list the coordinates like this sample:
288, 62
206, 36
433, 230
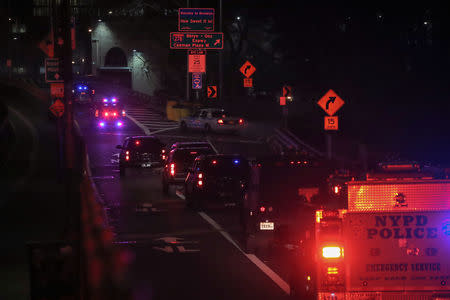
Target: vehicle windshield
220, 114
187, 156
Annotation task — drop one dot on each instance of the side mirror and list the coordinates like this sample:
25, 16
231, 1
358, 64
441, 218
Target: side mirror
119, 147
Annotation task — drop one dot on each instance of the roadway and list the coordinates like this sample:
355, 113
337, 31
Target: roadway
175, 252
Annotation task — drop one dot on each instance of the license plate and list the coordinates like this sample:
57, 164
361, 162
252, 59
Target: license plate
83, 93
146, 165
266, 226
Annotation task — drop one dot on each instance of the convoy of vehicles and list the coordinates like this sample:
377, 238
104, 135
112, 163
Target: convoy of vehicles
83, 93
392, 224
212, 119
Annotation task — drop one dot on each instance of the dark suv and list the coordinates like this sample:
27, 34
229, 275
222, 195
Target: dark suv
140, 152
178, 163
217, 181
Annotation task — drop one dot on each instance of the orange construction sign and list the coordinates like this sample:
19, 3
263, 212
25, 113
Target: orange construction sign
331, 123
247, 69
212, 91
57, 108
331, 102
282, 101
248, 82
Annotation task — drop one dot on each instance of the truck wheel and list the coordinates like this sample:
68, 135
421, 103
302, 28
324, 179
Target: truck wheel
165, 187
183, 126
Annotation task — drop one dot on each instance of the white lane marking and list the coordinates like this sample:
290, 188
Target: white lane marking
34, 145
139, 124
212, 146
262, 266
163, 130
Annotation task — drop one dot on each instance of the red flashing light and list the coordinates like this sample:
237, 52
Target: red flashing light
163, 151
105, 114
241, 121
332, 252
200, 179
114, 114
262, 209
220, 122
93, 92
164, 157
137, 142
336, 189
214, 162
172, 169
127, 157
292, 162
123, 113
96, 112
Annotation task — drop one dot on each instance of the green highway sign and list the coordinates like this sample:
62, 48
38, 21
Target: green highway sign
187, 40
196, 19
52, 70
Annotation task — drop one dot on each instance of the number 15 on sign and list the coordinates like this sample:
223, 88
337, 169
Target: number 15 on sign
331, 123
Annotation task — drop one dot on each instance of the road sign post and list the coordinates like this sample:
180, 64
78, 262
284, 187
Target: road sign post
248, 82
330, 103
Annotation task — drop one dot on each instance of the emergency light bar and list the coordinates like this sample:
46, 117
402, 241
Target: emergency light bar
398, 195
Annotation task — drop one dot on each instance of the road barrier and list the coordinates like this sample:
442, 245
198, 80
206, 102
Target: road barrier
103, 264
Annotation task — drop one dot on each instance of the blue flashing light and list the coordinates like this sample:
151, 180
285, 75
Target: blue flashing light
114, 100
236, 161
105, 100
85, 88
79, 87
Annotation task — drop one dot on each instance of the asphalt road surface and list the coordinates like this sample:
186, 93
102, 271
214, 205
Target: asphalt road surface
175, 252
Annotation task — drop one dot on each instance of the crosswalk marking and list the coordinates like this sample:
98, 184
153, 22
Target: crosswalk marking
149, 118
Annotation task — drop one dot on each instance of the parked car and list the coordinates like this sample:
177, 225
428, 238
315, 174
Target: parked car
212, 119
140, 152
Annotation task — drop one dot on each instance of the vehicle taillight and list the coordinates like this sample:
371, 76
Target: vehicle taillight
220, 122
137, 142
262, 209
163, 157
214, 162
114, 114
200, 179
241, 121
93, 92
123, 112
96, 112
127, 155
105, 114
332, 270
337, 189
332, 252
172, 169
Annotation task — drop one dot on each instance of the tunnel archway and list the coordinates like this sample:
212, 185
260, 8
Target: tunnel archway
115, 57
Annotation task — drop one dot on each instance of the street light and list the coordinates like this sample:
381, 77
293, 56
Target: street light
238, 18
90, 30
99, 20
110, 12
